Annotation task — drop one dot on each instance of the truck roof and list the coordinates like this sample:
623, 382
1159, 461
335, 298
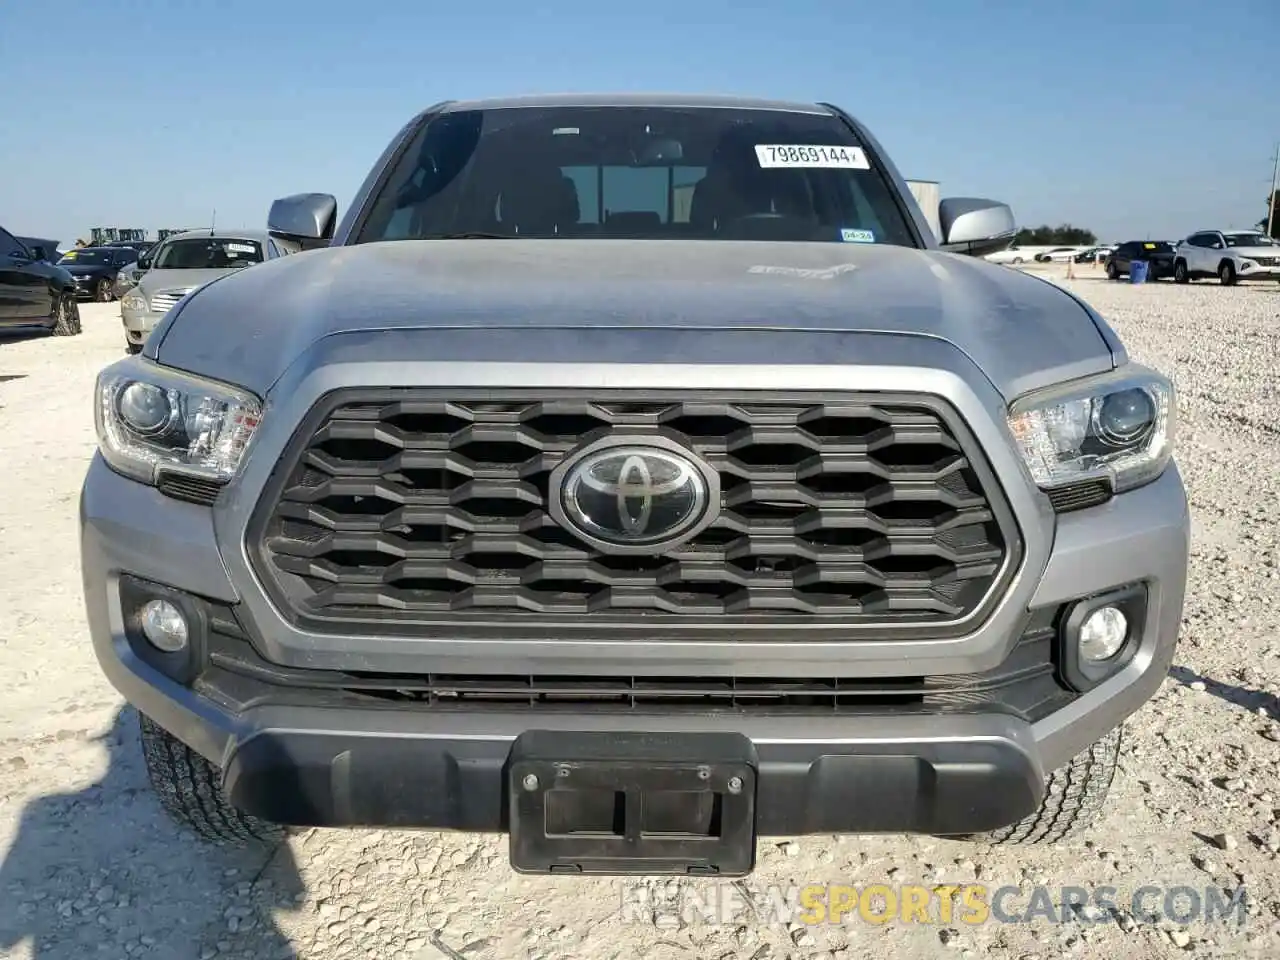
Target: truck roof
632, 100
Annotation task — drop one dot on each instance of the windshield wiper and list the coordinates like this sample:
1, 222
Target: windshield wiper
471, 235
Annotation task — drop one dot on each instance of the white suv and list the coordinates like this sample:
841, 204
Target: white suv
1229, 256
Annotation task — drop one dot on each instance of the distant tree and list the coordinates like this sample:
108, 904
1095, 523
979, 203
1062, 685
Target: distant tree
1275, 220
1063, 235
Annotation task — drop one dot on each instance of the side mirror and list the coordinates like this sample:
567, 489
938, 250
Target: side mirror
974, 226
144, 263
306, 219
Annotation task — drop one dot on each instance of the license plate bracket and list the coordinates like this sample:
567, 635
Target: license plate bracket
626, 804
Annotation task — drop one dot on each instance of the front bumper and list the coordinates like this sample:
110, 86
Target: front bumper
318, 761
139, 323
86, 287
1258, 272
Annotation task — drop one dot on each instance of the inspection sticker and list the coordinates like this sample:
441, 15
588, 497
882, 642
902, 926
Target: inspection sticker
811, 155
857, 236
240, 248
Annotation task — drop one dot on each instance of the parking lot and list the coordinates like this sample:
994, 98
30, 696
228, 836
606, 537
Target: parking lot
89, 866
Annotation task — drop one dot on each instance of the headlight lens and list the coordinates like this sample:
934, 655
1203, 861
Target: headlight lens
134, 301
152, 420
1119, 427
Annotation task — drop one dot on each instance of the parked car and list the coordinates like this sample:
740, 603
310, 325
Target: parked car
1057, 253
95, 270
538, 493
182, 263
139, 247
1093, 254
1229, 255
1014, 254
131, 273
1157, 253
34, 293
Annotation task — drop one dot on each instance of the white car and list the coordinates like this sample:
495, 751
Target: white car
1060, 254
1229, 255
1014, 253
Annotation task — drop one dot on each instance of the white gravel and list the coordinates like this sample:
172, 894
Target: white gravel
89, 867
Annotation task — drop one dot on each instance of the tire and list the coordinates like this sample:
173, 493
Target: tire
189, 789
1075, 794
103, 292
66, 316
1180, 274
1227, 273
1112, 272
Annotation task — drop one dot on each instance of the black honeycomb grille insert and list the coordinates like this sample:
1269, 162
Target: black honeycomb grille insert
406, 506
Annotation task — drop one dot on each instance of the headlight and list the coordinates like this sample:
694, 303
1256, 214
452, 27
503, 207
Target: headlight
153, 420
135, 301
1118, 427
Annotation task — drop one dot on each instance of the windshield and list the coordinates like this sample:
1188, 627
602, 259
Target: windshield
90, 256
640, 173
1248, 240
208, 253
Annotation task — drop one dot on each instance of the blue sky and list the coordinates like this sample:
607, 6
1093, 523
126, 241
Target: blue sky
1131, 119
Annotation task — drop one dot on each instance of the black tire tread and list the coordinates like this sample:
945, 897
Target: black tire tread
189, 789
1075, 795
66, 322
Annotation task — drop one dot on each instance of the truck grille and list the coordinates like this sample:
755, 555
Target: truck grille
1025, 685
411, 509
164, 302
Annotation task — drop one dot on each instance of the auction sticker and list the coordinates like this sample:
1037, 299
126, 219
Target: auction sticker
240, 248
857, 236
811, 155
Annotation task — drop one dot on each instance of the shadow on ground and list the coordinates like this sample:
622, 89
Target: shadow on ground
104, 873
1246, 697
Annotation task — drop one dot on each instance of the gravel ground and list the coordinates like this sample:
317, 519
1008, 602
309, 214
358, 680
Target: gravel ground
90, 867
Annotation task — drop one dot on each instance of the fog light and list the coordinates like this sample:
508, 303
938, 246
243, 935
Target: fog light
164, 626
1102, 634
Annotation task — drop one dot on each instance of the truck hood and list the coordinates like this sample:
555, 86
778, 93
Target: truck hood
155, 281
247, 329
1260, 251
88, 269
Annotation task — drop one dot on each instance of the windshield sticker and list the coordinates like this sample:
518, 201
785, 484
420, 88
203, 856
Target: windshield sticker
811, 155
69, 256
857, 236
1149, 246
240, 248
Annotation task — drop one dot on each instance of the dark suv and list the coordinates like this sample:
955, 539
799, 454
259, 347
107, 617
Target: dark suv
1157, 253
35, 293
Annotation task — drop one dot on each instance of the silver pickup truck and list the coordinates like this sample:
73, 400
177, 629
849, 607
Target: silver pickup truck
638, 476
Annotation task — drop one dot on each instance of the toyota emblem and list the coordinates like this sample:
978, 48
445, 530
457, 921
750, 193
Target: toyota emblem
627, 495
